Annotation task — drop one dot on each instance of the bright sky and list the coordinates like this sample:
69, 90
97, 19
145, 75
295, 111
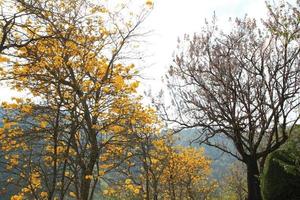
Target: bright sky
171, 19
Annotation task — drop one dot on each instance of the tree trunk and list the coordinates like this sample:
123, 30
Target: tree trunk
253, 180
86, 182
155, 190
85, 188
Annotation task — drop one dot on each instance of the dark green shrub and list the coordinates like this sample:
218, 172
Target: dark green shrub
281, 176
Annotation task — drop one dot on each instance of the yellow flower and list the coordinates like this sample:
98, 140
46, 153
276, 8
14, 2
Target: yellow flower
25, 190
16, 197
67, 173
9, 180
101, 173
3, 59
106, 90
60, 149
43, 124
26, 109
154, 160
72, 194
118, 82
44, 194
47, 159
149, 3
136, 190
35, 179
105, 192
90, 177
127, 181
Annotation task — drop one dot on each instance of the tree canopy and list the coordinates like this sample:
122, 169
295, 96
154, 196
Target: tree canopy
241, 86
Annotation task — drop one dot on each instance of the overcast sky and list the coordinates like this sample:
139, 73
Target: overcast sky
171, 19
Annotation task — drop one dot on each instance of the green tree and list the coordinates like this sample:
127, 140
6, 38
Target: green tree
281, 175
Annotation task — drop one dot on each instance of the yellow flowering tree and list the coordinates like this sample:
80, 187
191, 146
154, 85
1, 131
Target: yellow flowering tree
160, 170
83, 107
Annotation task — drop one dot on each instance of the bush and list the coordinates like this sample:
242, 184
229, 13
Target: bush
281, 175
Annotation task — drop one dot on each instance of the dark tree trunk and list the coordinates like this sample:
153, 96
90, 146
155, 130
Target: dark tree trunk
86, 183
155, 197
85, 188
253, 180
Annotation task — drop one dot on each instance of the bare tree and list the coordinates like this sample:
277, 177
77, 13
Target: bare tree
241, 86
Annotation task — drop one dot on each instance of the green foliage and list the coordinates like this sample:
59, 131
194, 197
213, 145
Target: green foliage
281, 175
